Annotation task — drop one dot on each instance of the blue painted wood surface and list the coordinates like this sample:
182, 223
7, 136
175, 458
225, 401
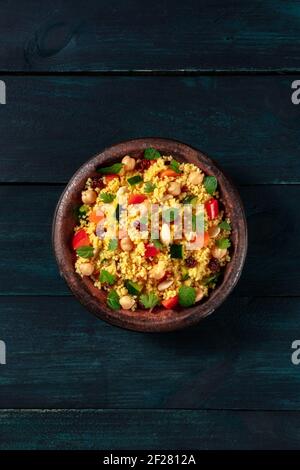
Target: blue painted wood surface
132, 35
51, 125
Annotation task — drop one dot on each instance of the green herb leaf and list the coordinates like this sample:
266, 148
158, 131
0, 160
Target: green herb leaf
211, 279
197, 224
85, 251
135, 180
157, 244
151, 154
111, 170
223, 243
225, 225
113, 300
176, 251
187, 296
107, 197
107, 277
190, 199
149, 300
185, 276
174, 165
149, 187
113, 244
117, 213
210, 184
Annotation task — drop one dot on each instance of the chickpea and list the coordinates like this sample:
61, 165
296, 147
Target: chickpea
127, 302
126, 244
157, 272
174, 188
87, 269
89, 196
218, 252
199, 295
195, 177
129, 163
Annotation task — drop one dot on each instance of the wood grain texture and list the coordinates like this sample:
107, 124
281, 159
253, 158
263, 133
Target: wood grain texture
114, 429
130, 35
51, 125
272, 266
58, 356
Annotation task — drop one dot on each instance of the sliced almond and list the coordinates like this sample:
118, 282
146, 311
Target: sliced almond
165, 284
199, 295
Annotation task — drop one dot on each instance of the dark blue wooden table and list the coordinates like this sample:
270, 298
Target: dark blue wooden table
80, 76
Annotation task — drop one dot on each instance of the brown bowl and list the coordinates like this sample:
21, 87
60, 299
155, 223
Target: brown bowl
160, 319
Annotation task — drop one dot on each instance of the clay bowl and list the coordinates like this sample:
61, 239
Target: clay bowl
161, 319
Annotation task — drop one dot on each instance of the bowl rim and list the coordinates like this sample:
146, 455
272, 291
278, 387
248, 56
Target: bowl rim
167, 320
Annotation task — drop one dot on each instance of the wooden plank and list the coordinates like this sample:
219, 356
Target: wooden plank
272, 267
128, 35
51, 125
115, 429
60, 356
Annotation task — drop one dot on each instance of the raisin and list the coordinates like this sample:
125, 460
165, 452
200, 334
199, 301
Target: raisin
137, 224
214, 265
97, 182
190, 262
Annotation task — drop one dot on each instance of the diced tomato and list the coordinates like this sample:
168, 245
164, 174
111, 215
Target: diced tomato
108, 178
151, 251
136, 198
168, 173
170, 303
80, 238
96, 216
212, 208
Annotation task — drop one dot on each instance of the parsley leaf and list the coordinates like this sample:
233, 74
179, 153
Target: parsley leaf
113, 300
149, 187
151, 154
107, 277
169, 215
135, 180
111, 170
223, 243
187, 296
210, 184
174, 165
149, 300
85, 251
113, 244
107, 197
225, 225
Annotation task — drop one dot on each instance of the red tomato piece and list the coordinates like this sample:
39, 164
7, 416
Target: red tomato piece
136, 198
170, 303
151, 251
212, 208
80, 238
